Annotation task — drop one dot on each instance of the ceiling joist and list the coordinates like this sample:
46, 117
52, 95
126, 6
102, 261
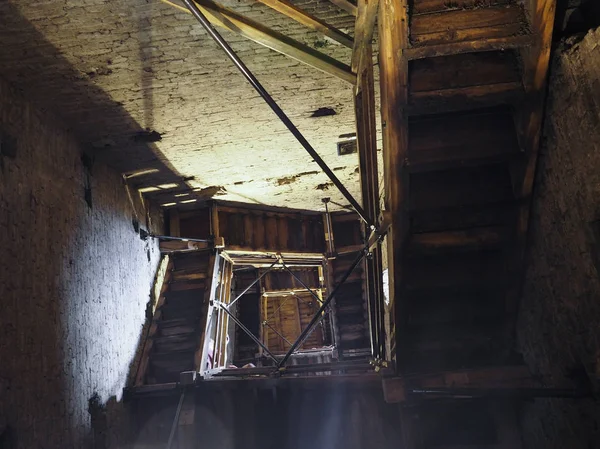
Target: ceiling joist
346, 5
236, 23
312, 22
363, 33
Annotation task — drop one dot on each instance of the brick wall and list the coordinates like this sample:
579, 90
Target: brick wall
74, 283
559, 333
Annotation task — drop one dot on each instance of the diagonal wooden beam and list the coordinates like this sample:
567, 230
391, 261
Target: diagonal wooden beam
346, 5
312, 22
232, 21
363, 33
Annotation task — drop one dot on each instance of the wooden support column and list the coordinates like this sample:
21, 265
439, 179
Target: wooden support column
393, 66
536, 60
366, 134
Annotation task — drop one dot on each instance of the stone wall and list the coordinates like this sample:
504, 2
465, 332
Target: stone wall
558, 330
74, 284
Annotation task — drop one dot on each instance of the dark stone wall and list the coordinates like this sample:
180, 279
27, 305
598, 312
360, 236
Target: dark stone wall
74, 283
560, 311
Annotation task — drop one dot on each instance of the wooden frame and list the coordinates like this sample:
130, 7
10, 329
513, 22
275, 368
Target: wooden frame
393, 35
232, 21
312, 22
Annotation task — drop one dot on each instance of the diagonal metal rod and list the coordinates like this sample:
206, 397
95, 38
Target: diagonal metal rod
252, 285
319, 315
266, 323
191, 5
301, 282
175, 421
249, 332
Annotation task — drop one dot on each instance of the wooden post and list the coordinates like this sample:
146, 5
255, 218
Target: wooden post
366, 134
393, 65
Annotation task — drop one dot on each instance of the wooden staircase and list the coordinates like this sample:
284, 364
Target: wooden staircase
462, 90
175, 334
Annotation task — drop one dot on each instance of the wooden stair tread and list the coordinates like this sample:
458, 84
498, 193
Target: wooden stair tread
451, 140
459, 240
463, 25
429, 6
443, 219
461, 187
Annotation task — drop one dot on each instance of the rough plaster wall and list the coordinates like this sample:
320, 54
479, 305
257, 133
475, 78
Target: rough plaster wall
74, 284
158, 65
558, 327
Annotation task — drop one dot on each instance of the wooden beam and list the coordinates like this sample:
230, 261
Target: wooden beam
468, 25
393, 68
536, 60
363, 35
149, 343
395, 388
469, 46
346, 5
312, 22
236, 23
463, 239
366, 134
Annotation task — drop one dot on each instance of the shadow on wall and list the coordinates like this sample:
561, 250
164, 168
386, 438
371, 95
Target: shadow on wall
33, 65
75, 280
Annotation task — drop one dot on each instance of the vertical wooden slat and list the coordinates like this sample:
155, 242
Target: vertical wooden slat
205, 309
174, 223
214, 221
271, 233
282, 233
249, 231
393, 35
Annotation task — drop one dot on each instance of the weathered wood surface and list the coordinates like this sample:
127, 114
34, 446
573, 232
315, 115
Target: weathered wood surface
232, 21
310, 21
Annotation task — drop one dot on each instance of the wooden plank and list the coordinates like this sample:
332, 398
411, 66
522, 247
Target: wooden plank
170, 246
363, 35
179, 276
463, 70
282, 234
312, 22
271, 233
536, 61
465, 98
346, 5
429, 6
148, 344
464, 25
236, 23
174, 223
451, 218
475, 44
517, 376
476, 269
460, 187
205, 311
461, 139
464, 239
393, 69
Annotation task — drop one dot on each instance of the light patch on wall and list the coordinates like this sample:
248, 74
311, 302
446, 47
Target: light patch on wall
148, 189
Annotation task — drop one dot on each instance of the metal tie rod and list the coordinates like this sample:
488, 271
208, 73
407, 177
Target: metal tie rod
191, 5
318, 316
252, 285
